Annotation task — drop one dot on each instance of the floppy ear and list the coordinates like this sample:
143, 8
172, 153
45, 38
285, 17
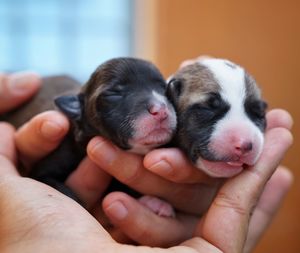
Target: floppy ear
174, 88
71, 106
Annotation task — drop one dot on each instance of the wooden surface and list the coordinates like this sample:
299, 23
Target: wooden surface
264, 37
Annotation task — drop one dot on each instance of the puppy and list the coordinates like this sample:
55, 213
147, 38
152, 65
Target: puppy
124, 101
220, 114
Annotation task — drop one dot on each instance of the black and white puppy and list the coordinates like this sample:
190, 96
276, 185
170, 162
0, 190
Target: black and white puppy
124, 100
220, 114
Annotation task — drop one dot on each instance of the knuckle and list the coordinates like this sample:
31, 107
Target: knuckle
131, 174
143, 233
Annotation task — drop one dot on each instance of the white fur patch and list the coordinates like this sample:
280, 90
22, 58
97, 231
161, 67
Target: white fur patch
149, 132
231, 80
159, 97
236, 123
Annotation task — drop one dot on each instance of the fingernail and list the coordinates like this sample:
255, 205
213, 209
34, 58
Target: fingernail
162, 167
20, 84
51, 130
102, 151
117, 210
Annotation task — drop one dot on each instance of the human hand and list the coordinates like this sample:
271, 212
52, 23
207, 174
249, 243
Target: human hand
37, 218
34, 141
16, 88
42, 135
181, 189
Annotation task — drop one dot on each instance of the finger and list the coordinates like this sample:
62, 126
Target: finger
186, 63
279, 118
7, 150
17, 88
142, 225
7, 145
128, 169
231, 209
192, 61
40, 136
124, 166
89, 182
173, 165
268, 205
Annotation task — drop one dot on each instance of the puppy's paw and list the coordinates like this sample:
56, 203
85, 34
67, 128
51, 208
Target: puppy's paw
158, 206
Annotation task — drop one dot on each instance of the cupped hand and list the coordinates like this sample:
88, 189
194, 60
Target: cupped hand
179, 187
180, 184
37, 218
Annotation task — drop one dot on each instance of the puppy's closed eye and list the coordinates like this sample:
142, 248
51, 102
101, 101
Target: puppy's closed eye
256, 109
221, 117
214, 101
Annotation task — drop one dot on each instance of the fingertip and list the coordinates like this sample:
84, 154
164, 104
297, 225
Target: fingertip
192, 61
17, 88
173, 165
114, 206
25, 82
186, 63
142, 225
162, 168
284, 177
116, 211
282, 137
287, 137
41, 135
98, 146
51, 125
7, 127
279, 118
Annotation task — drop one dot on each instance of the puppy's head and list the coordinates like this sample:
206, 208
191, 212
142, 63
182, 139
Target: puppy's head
125, 101
221, 116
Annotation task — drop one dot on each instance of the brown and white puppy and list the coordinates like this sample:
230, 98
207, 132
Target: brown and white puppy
220, 114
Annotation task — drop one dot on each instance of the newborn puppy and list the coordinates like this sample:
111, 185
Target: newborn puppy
220, 114
124, 101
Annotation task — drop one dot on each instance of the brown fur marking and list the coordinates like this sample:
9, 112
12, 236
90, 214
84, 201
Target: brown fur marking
197, 81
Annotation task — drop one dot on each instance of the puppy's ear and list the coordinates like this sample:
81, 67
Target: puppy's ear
174, 88
71, 106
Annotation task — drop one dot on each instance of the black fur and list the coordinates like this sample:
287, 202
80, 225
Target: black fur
116, 94
197, 123
256, 111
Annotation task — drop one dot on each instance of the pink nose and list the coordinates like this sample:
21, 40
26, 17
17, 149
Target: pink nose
158, 111
243, 147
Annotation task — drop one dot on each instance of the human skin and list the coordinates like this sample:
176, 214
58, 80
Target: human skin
90, 189
17, 88
36, 218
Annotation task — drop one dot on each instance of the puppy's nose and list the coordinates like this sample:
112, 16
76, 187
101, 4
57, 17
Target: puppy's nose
243, 147
158, 111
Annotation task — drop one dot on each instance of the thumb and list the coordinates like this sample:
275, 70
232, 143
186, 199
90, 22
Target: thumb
226, 223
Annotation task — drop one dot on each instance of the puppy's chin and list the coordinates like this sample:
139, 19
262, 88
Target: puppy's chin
151, 131
219, 169
143, 144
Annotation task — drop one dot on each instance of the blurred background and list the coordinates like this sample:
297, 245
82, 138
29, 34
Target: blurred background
74, 36
63, 36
